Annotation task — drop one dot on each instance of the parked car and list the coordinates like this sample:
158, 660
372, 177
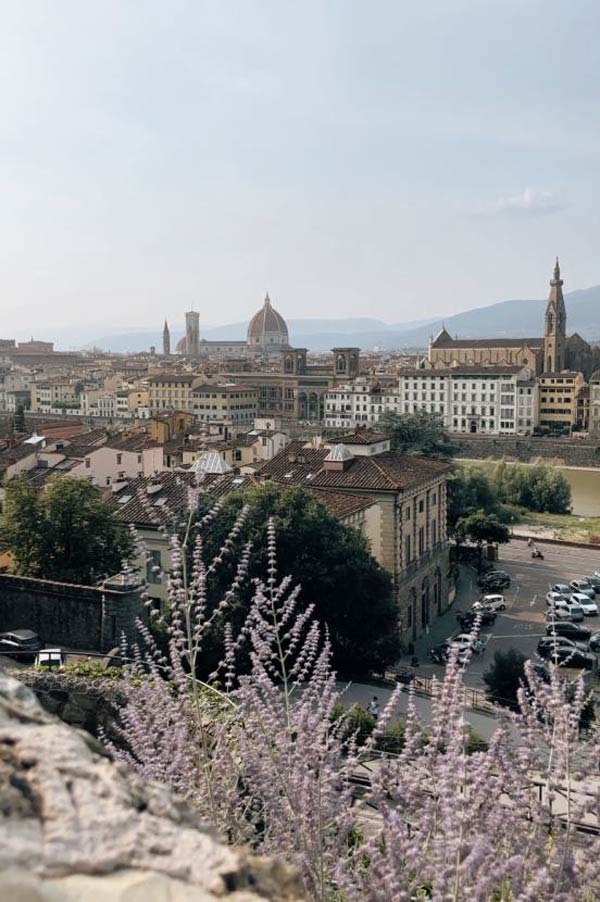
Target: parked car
574, 658
562, 589
584, 586
554, 597
490, 603
465, 642
49, 658
574, 610
20, 644
595, 582
572, 630
558, 612
547, 646
467, 619
595, 643
405, 675
587, 605
494, 579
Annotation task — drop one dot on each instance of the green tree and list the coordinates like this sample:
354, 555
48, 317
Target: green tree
504, 677
66, 534
19, 420
332, 563
481, 528
420, 432
469, 490
538, 488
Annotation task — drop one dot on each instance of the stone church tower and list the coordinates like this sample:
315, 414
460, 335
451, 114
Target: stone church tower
166, 340
555, 326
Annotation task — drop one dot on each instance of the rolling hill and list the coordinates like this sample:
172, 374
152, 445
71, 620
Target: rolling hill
513, 317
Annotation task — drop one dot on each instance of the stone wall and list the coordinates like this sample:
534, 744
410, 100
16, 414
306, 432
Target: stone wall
567, 452
90, 704
76, 617
77, 827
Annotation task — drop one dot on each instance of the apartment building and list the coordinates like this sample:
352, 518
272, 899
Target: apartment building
361, 402
488, 400
594, 404
54, 395
171, 391
230, 401
558, 399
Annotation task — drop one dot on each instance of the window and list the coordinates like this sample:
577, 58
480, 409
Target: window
421, 506
88, 463
153, 568
119, 459
407, 550
421, 540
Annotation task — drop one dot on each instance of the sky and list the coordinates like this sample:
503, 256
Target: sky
385, 159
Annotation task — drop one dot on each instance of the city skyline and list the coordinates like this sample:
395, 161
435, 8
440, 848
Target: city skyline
404, 165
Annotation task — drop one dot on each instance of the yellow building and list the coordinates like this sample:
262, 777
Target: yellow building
171, 391
558, 394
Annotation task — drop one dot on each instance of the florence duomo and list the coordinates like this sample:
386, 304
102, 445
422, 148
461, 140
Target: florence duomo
267, 335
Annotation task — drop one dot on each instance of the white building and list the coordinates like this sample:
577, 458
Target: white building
360, 403
493, 400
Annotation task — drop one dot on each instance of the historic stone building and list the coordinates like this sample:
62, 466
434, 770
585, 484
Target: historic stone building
552, 352
267, 336
406, 528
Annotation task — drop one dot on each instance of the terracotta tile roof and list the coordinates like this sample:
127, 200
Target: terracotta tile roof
446, 341
152, 501
362, 437
135, 441
10, 456
341, 504
388, 472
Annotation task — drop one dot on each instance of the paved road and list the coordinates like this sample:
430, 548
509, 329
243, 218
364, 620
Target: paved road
523, 622
362, 693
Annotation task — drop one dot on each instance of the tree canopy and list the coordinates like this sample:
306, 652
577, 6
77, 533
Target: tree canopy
332, 563
66, 534
504, 677
420, 432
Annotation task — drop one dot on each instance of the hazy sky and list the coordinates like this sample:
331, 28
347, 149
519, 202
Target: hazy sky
378, 158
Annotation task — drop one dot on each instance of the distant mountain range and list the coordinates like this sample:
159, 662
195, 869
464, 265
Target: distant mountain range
506, 318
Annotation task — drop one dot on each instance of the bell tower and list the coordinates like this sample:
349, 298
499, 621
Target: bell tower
555, 328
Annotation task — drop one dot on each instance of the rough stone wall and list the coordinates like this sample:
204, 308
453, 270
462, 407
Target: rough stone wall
89, 618
570, 452
77, 827
61, 614
89, 704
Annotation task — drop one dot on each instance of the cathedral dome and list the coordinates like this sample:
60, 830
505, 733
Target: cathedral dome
267, 331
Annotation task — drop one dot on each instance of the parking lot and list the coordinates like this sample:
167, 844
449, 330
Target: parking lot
523, 622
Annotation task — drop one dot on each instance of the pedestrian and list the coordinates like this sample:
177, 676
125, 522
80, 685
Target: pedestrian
373, 708
530, 542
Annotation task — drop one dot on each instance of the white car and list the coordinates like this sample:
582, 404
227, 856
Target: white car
574, 610
557, 612
553, 597
490, 603
464, 642
588, 606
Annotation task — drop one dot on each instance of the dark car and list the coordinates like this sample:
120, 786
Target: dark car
572, 630
551, 645
568, 657
495, 579
595, 643
594, 582
405, 676
467, 618
20, 644
439, 653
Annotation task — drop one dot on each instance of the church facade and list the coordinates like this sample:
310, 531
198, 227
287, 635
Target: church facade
550, 353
